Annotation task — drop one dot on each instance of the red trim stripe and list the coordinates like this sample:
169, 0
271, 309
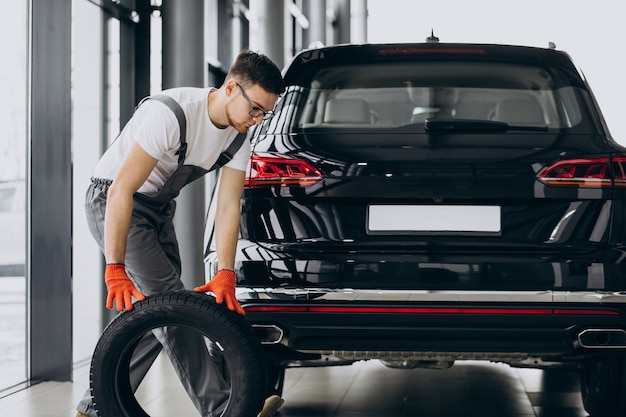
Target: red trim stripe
431, 310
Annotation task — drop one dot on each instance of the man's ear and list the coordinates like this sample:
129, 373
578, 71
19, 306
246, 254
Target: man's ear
230, 86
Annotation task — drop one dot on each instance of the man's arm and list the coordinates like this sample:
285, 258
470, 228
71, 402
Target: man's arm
228, 215
226, 236
132, 174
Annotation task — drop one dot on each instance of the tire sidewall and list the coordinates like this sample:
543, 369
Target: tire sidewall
242, 352
603, 387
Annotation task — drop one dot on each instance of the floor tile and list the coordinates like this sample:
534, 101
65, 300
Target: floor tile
368, 388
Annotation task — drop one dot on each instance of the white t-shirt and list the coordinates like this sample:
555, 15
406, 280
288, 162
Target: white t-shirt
155, 127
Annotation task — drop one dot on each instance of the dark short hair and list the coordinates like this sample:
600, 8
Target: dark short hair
254, 68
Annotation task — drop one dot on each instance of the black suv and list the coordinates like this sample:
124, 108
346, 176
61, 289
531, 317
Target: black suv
426, 203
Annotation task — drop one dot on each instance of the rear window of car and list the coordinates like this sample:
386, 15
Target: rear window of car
390, 95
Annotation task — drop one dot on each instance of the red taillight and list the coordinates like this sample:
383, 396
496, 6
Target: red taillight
586, 172
266, 169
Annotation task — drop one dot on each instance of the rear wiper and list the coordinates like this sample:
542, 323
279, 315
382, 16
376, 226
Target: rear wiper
470, 125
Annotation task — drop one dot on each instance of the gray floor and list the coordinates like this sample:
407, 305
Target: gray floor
370, 389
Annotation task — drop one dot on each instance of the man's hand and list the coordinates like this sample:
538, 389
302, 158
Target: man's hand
223, 286
120, 287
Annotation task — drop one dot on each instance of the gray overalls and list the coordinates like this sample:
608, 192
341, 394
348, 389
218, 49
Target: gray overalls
153, 263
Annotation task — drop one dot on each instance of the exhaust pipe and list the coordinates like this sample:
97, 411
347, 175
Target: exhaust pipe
270, 334
602, 338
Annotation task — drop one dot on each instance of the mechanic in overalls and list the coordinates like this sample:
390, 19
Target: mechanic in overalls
172, 139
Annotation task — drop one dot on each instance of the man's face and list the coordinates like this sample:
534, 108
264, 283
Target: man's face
248, 105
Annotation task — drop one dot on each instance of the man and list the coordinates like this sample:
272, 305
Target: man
164, 146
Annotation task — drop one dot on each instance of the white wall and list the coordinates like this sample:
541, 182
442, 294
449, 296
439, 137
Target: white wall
592, 32
13, 84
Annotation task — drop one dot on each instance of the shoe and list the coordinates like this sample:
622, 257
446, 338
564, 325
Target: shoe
271, 405
81, 415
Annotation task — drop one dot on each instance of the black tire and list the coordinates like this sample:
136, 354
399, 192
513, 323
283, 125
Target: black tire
243, 357
603, 387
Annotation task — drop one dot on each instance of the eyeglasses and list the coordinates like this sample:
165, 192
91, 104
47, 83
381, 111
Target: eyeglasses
256, 111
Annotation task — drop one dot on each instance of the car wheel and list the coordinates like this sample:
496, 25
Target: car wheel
603, 387
240, 356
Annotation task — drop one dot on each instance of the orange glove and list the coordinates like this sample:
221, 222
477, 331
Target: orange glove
120, 287
223, 286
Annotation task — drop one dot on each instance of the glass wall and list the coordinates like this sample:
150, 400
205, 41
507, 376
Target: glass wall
100, 37
13, 84
88, 141
108, 72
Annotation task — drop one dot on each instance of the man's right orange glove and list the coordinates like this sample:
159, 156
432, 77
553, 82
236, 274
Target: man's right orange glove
120, 287
223, 286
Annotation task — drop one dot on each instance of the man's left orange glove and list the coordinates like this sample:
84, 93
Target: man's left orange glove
223, 286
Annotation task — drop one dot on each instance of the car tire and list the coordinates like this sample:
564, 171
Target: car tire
603, 387
241, 352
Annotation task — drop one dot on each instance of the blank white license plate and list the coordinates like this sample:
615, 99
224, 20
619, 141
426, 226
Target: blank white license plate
435, 218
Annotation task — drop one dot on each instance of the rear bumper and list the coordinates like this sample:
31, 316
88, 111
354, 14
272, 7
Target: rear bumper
394, 325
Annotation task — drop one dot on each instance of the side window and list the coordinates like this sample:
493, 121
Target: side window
569, 106
286, 109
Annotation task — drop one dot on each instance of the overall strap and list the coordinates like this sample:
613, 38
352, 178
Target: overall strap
182, 121
228, 154
224, 157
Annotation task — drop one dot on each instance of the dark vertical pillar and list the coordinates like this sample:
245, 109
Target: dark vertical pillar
141, 42
342, 24
134, 59
183, 65
270, 38
315, 11
50, 259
